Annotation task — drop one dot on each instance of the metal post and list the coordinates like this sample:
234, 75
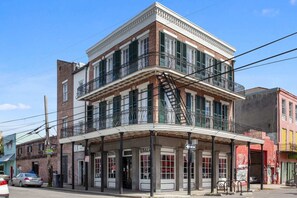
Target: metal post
249, 162
212, 163
231, 163
48, 145
61, 165
151, 163
121, 164
86, 165
102, 164
189, 163
262, 167
72, 159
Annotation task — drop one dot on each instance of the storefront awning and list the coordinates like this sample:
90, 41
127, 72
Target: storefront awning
7, 157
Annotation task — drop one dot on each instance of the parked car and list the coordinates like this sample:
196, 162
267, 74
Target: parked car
5, 177
4, 192
27, 179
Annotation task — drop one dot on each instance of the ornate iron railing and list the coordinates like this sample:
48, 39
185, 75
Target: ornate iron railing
289, 147
162, 60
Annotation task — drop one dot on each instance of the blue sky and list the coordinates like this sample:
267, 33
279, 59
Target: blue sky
34, 34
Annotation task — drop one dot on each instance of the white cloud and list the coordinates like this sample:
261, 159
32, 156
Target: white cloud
269, 12
7, 107
293, 2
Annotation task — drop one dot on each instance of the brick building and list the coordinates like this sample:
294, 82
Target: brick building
152, 88
31, 156
275, 112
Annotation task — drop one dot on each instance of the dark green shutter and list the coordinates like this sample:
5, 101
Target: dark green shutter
178, 107
133, 105
117, 111
200, 62
90, 117
102, 115
188, 102
102, 71
133, 56
162, 105
162, 49
217, 115
230, 79
225, 117
203, 121
116, 64
178, 56
198, 111
184, 58
150, 105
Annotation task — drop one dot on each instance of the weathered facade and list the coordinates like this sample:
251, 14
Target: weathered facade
151, 89
275, 112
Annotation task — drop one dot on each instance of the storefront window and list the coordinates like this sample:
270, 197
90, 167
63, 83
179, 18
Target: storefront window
111, 167
145, 166
186, 167
167, 166
97, 167
222, 168
206, 167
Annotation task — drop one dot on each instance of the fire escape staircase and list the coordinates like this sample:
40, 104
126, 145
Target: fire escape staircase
168, 84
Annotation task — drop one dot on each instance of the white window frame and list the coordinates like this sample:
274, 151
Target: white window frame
168, 183
109, 69
291, 112
65, 90
97, 178
125, 61
143, 49
284, 109
170, 45
193, 173
191, 59
111, 181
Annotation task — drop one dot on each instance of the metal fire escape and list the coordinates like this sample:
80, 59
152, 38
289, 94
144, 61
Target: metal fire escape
181, 113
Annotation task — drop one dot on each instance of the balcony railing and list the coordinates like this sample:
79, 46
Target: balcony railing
144, 116
290, 147
163, 60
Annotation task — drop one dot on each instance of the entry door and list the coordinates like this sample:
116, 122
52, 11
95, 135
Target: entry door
80, 172
127, 172
35, 168
65, 168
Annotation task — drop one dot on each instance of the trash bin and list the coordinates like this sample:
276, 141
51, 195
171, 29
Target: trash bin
56, 180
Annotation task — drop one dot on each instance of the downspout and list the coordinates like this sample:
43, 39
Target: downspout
278, 136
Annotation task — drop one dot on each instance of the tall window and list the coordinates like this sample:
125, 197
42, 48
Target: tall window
208, 113
125, 110
96, 116
143, 52
222, 168
206, 167
291, 111
145, 172
125, 61
109, 66
29, 149
109, 113
190, 59
64, 127
65, 91
97, 167
142, 110
96, 76
167, 166
111, 167
296, 114
41, 147
186, 167
284, 116
20, 151
169, 51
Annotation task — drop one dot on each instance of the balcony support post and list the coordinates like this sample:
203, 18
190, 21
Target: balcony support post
61, 165
212, 164
121, 164
72, 168
86, 165
262, 167
102, 164
249, 167
231, 163
151, 163
189, 163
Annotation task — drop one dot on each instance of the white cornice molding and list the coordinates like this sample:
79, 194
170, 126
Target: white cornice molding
158, 12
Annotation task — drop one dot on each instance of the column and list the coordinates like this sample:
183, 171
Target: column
198, 166
248, 170
179, 169
61, 165
152, 170
135, 169
120, 169
189, 163
157, 168
231, 163
212, 163
86, 165
72, 159
262, 167
102, 164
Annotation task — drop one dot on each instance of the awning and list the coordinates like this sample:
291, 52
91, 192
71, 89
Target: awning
7, 157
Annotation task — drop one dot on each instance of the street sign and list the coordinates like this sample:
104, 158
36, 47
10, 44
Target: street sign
49, 151
190, 146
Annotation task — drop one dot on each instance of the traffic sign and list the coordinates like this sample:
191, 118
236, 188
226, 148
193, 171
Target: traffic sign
190, 146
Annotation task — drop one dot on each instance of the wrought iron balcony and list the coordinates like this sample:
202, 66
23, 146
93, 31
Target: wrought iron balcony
144, 116
165, 61
290, 147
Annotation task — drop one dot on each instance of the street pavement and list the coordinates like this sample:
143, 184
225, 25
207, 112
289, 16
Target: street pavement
30, 192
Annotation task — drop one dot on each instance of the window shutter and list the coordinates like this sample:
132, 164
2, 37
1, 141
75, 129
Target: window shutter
230, 78
188, 102
162, 49
102, 115
117, 111
90, 117
178, 109
178, 55
133, 56
133, 105
162, 105
184, 58
150, 90
198, 111
102, 71
116, 64
203, 121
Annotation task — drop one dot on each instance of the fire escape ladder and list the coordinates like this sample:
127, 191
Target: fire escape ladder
168, 84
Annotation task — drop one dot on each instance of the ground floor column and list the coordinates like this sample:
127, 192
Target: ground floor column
231, 176
189, 163
157, 168
86, 165
61, 165
262, 168
179, 169
135, 169
120, 169
212, 163
72, 169
152, 162
249, 167
198, 166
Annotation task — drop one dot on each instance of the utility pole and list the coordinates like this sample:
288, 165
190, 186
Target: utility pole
48, 145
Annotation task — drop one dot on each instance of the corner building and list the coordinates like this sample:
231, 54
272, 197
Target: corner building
152, 86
